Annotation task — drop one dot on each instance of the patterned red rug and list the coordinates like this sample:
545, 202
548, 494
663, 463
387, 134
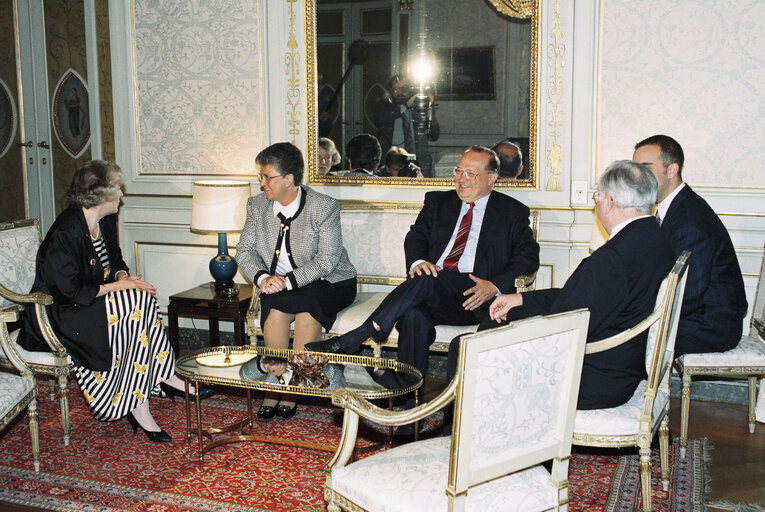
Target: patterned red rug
107, 468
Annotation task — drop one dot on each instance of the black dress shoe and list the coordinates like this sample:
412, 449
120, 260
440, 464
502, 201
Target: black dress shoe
286, 412
171, 392
266, 412
329, 346
404, 434
154, 437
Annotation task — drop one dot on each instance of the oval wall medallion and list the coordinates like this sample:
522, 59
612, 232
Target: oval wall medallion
7, 118
71, 114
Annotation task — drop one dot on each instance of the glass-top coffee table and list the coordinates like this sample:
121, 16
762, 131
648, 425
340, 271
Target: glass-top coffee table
220, 366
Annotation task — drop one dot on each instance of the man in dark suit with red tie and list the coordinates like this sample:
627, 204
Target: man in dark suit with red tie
466, 246
714, 304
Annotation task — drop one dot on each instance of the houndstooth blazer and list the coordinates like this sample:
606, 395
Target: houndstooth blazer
315, 240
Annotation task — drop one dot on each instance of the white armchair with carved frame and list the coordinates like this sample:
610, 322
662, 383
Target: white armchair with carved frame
745, 360
515, 392
18, 392
636, 422
19, 241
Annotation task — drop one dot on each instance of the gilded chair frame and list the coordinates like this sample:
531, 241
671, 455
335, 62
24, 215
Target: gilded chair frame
747, 352
664, 319
62, 367
461, 476
26, 400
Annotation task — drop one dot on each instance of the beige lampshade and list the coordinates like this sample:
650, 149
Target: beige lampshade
219, 206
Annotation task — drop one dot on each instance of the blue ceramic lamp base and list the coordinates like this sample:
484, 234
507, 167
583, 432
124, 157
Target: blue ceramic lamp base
223, 269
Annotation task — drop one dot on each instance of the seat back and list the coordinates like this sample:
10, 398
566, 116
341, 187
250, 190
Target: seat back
19, 241
757, 323
516, 398
373, 235
660, 348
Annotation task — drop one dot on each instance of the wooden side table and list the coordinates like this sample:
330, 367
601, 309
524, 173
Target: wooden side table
203, 302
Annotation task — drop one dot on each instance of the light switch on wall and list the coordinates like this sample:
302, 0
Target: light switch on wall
578, 192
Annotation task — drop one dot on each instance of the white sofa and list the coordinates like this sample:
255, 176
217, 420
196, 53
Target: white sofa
373, 234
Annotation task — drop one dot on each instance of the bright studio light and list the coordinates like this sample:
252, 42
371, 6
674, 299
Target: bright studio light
423, 69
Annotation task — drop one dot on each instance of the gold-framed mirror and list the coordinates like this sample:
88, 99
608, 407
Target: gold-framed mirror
480, 48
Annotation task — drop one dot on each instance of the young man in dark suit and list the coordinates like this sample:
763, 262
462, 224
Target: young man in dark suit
618, 283
466, 246
714, 305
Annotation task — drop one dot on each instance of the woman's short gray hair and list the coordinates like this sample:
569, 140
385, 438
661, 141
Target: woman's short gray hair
94, 183
630, 185
329, 146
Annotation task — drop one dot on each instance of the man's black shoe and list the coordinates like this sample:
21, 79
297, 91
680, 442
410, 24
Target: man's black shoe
404, 434
329, 346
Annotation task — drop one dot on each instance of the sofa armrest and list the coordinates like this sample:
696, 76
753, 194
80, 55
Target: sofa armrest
525, 283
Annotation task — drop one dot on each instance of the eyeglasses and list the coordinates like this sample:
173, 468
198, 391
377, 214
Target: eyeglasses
268, 179
469, 175
596, 197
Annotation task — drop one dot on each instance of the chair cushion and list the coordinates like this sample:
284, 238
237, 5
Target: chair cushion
416, 476
13, 389
622, 420
43, 358
749, 352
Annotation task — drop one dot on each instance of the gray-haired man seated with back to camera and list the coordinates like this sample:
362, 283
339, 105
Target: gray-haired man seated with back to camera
618, 283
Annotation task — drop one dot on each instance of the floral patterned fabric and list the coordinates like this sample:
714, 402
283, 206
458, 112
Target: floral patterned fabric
12, 389
18, 248
415, 479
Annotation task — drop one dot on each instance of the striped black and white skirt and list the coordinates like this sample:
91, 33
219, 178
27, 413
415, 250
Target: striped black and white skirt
141, 356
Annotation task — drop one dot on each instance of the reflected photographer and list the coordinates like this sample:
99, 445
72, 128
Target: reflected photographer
400, 164
405, 118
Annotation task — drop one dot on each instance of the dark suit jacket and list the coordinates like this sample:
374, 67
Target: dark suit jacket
618, 283
506, 246
69, 269
714, 305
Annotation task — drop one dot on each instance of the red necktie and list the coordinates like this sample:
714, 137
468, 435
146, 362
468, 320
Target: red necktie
450, 262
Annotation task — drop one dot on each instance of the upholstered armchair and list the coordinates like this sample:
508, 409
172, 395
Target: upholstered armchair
746, 360
18, 392
515, 392
19, 242
636, 422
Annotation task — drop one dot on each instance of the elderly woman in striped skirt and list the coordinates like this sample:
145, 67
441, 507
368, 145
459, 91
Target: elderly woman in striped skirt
108, 320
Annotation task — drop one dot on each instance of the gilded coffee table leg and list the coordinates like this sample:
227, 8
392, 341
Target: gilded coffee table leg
189, 433
200, 452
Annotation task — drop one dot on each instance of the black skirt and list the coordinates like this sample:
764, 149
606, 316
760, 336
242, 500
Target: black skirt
321, 299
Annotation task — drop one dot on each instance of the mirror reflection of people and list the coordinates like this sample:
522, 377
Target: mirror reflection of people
400, 164
291, 248
108, 320
329, 156
363, 154
394, 116
510, 159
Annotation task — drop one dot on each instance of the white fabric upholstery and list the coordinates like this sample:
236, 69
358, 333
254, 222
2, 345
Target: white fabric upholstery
374, 240
622, 420
13, 389
749, 352
415, 478
44, 358
18, 247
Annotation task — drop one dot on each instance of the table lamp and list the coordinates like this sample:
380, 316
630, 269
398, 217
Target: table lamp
220, 206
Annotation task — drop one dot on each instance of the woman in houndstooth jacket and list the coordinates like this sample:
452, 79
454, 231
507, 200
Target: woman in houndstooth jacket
292, 249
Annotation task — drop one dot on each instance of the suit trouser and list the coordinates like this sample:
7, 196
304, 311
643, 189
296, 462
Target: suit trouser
417, 306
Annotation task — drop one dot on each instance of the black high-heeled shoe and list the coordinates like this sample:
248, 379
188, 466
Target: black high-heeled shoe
266, 412
154, 437
284, 411
171, 392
